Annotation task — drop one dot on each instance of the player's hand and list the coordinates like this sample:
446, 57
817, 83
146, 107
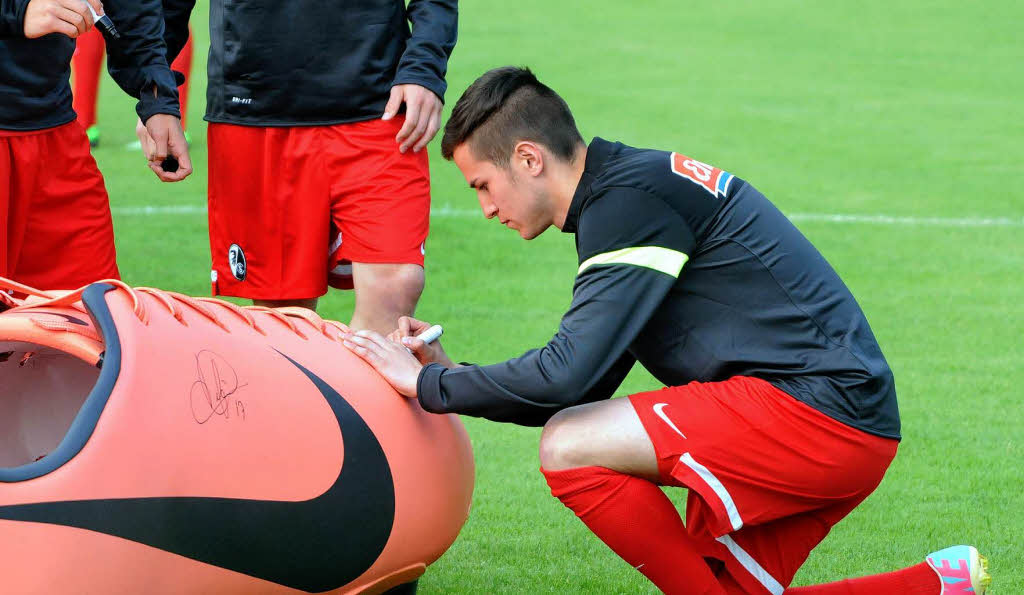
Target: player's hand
392, 360
427, 353
70, 17
162, 137
422, 115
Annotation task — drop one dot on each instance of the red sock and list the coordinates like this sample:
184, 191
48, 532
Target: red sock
639, 523
919, 579
85, 68
183, 64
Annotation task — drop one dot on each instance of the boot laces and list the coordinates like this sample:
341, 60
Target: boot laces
209, 308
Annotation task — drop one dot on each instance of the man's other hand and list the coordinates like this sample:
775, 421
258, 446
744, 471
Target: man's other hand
392, 360
162, 137
422, 115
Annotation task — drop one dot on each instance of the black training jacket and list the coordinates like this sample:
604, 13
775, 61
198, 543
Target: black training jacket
35, 91
310, 62
692, 272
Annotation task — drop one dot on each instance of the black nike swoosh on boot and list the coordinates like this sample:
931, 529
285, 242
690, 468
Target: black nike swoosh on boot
315, 546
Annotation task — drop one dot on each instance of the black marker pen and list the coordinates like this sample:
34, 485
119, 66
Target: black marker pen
104, 22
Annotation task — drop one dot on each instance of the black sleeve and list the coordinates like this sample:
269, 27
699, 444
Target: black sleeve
434, 31
137, 61
176, 16
632, 248
12, 18
512, 409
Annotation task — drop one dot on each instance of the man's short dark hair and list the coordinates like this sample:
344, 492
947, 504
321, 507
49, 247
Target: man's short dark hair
505, 106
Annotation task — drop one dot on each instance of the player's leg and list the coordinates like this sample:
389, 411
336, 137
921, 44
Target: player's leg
384, 293
67, 235
599, 461
818, 470
754, 460
768, 475
183, 64
954, 570
268, 213
381, 213
605, 434
762, 559
86, 64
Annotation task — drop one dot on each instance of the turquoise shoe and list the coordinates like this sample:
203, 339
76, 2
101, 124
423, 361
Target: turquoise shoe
961, 569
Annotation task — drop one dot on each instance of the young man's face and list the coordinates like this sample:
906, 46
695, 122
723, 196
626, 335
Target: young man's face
516, 198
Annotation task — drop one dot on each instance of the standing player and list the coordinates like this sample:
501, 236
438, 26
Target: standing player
316, 175
86, 64
55, 225
780, 414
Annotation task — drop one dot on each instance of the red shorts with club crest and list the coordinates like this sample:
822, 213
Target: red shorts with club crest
768, 475
291, 208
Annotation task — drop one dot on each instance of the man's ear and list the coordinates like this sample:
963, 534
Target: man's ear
529, 158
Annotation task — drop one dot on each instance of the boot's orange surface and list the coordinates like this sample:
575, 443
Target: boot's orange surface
155, 443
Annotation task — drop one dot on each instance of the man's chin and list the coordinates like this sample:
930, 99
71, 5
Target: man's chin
529, 234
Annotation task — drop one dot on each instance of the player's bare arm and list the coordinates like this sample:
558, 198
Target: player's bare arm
422, 115
68, 17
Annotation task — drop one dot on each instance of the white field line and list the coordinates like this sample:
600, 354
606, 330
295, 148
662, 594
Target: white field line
161, 210
450, 211
910, 221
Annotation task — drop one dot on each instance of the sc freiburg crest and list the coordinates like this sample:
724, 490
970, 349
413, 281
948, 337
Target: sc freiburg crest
236, 261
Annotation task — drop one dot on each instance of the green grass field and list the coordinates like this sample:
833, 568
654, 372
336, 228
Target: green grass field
911, 111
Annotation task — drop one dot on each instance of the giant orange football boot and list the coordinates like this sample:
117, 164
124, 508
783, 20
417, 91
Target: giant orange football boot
156, 443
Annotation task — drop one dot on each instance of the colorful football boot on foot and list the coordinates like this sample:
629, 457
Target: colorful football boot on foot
156, 443
961, 569
93, 134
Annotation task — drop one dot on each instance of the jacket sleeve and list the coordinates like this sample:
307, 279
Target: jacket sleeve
632, 249
12, 18
138, 60
176, 16
502, 405
434, 31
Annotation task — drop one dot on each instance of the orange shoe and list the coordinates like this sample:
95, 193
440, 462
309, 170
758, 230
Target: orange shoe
8, 301
11, 292
155, 443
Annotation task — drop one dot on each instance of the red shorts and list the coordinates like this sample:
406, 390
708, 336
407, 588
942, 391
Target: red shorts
768, 475
55, 226
290, 208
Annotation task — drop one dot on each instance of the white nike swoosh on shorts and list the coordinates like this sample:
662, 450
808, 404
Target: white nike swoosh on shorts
658, 410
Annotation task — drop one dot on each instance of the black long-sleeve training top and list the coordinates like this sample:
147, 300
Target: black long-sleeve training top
695, 274
309, 62
35, 92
